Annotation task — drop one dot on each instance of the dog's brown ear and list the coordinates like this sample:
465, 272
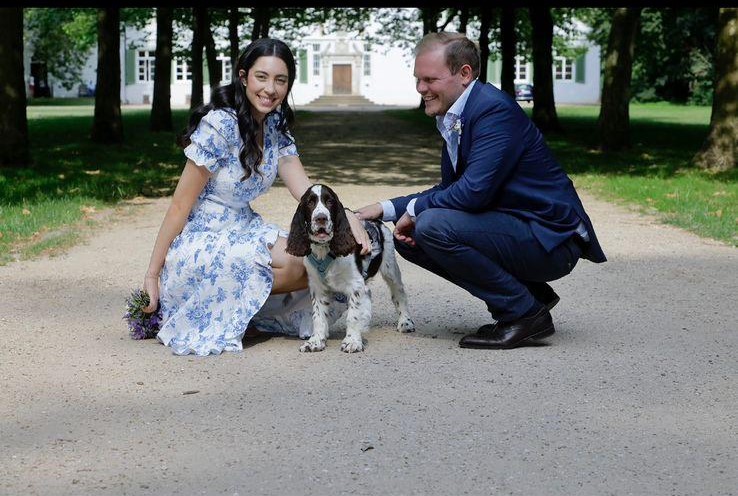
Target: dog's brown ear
343, 242
298, 242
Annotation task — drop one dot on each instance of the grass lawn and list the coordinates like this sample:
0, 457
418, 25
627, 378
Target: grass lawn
48, 204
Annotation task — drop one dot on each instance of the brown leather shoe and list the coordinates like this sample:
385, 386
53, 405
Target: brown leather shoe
504, 335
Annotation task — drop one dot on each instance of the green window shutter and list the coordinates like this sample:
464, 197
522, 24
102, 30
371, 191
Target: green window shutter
494, 71
205, 72
303, 63
579, 69
130, 66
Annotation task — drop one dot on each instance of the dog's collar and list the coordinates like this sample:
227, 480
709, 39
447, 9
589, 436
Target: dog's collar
321, 265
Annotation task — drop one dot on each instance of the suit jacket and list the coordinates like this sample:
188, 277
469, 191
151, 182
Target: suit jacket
505, 165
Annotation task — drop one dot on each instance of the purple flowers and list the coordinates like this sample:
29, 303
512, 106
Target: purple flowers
141, 325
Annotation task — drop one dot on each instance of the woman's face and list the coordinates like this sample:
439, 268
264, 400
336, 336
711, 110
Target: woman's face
266, 85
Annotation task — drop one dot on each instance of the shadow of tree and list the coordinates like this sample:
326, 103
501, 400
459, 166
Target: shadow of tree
367, 148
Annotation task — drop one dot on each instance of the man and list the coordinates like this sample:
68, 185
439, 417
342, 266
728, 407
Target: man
505, 217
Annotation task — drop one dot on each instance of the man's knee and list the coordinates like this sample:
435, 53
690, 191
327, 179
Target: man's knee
433, 224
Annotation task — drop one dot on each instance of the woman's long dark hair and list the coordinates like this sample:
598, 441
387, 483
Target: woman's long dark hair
233, 96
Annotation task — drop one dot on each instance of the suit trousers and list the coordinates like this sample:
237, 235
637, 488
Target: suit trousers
492, 255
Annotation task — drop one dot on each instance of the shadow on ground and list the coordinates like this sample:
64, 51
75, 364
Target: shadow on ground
339, 148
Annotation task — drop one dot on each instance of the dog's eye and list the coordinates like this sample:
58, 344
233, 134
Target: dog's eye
311, 202
329, 202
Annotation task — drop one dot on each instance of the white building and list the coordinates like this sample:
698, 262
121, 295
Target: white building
330, 64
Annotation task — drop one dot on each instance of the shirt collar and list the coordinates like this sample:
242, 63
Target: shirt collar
452, 115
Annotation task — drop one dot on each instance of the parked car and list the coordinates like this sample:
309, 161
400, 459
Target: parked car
524, 92
85, 90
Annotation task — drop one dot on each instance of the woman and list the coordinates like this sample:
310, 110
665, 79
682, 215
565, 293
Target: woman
215, 259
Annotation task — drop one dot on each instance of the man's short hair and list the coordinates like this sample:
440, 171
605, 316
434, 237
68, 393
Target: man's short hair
458, 50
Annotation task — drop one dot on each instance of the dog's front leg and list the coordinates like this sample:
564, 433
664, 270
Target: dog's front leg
320, 301
358, 317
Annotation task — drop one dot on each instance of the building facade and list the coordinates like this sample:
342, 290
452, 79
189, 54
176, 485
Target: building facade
327, 64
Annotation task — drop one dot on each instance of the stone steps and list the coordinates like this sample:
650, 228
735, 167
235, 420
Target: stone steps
340, 101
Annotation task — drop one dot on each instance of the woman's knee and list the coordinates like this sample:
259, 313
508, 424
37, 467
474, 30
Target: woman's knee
289, 271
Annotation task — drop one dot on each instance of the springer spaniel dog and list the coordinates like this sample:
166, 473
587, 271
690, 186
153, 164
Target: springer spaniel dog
320, 232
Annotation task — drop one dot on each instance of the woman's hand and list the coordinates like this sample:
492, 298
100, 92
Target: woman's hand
360, 234
151, 286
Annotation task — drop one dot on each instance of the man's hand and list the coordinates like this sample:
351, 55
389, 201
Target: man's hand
404, 229
370, 212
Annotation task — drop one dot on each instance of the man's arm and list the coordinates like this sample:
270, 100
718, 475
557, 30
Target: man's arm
497, 145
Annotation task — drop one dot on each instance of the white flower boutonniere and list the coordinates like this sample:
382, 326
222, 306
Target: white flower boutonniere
458, 126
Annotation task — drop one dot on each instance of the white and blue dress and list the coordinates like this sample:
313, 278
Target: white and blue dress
217, 276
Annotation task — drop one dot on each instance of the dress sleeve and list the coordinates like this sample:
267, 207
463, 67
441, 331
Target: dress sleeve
208, 145
286, 145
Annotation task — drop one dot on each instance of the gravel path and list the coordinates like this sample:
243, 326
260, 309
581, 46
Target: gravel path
635, 393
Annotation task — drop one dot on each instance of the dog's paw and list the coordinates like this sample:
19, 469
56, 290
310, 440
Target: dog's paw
352, 344
310, 345
406, 324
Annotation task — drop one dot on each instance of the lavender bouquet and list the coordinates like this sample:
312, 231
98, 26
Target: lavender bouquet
141, 325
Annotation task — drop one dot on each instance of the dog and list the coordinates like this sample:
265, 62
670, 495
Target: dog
320, 232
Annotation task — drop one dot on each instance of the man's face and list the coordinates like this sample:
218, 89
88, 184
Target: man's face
435, 83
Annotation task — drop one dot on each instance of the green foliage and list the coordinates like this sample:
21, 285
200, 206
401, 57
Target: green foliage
673, 55
63, 38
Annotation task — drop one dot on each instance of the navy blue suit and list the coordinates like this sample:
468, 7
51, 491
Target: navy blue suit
505, 220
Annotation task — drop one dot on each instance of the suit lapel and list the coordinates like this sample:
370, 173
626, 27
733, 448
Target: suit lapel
465, 141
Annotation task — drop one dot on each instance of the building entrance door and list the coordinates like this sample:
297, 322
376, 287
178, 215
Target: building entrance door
342, 79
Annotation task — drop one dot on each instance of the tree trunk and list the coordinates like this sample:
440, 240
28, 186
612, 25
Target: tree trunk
161, 108
614, 122
262, 17
214, 72
508, 44
107, 125
266, 23
485, 18
233, 20
463, 19
14, 147
720, 150
430, 16
544, 108
197, 44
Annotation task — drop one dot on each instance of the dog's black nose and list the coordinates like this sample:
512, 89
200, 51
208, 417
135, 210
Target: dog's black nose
320, 219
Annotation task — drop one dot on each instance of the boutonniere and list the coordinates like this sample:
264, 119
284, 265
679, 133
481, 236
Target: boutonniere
458, 126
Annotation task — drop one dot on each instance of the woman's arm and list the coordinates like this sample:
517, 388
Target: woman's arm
293, 174
190, 185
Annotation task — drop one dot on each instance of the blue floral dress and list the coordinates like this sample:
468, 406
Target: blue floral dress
217, 275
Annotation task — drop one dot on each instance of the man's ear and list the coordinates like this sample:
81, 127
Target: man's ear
466, 73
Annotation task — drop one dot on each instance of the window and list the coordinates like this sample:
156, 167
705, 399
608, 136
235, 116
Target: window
521, 69
225, 69
563, 69
316, 59
145, 66
367, 64
182, 70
